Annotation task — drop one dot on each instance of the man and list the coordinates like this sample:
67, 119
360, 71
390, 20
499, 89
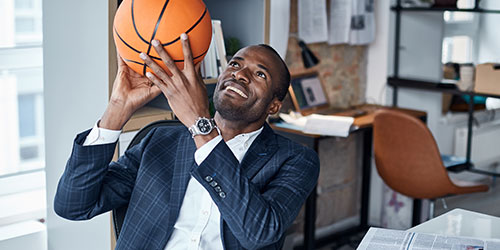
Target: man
228, 183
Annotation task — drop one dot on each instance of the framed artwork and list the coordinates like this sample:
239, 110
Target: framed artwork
307, 93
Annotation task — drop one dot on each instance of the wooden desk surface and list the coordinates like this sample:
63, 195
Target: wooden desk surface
362, 121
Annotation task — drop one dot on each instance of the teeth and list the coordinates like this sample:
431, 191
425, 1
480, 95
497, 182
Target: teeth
237, 91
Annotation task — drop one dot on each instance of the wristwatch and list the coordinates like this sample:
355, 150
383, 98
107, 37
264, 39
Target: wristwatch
202, 126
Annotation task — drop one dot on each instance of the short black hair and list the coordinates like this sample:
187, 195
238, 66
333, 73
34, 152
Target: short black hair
284, 83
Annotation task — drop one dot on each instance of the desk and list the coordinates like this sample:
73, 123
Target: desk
460, 222
361, 124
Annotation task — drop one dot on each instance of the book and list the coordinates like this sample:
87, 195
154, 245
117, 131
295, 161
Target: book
215, 60
219, 43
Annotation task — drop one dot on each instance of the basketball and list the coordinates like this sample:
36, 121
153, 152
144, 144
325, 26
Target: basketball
137, 23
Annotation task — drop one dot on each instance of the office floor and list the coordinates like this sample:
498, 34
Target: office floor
487, 203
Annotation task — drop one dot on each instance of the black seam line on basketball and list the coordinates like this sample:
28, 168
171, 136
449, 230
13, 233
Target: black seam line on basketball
133, 22
142, 64
189, 30
196, 57
154, 32
154, 57
123, 41
168, 43
132, 61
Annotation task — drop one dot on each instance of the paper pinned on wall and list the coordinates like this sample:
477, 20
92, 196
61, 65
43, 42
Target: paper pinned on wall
280, 26
351, 22
313, 26
340, 21
362, 22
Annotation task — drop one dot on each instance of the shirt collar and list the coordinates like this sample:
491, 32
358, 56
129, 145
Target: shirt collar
245, 138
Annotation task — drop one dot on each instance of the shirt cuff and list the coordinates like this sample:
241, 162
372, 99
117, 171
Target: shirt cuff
202, 153
98, 136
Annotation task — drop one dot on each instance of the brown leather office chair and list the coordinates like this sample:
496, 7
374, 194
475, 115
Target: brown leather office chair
408, 159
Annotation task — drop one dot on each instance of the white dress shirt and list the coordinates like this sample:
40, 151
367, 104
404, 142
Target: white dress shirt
198, 224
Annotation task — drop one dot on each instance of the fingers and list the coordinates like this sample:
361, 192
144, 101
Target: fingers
156, 68
157, 82
154, 91
188, 54
165, 58
198, 72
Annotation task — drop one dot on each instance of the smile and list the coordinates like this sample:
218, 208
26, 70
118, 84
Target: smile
239, 92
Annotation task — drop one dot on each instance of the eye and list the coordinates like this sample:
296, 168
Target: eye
262, 75
233, 64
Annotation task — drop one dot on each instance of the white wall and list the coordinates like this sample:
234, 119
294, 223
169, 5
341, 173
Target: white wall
378, 55
489, 37
76, 90
376, 79
416, 59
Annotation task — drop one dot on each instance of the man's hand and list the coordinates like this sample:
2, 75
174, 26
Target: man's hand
185, 91
130, 92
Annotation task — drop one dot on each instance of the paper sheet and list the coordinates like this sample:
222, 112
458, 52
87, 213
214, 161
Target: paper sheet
320, 124
328, 125
340, 21
351, 22
280, 26
312, 21
362, 22
380, 238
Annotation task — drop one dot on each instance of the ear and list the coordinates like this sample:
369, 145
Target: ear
274, 107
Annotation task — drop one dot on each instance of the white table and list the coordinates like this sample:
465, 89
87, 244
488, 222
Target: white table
460, 222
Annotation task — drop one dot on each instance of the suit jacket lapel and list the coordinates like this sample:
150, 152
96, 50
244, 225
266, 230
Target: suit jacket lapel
184, 161
261, 150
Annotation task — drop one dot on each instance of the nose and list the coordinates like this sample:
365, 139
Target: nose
240, 75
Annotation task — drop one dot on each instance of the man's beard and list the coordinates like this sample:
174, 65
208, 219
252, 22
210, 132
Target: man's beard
244, 113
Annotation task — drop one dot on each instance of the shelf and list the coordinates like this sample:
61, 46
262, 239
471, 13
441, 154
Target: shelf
445, 87
210, 81
438, 9
146, 115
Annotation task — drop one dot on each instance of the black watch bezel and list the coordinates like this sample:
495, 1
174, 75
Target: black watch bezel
204, 125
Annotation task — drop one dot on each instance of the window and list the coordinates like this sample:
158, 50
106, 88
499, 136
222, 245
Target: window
22, 152
21, 76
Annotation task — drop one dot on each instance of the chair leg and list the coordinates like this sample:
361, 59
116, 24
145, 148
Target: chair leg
417, 210
431, 208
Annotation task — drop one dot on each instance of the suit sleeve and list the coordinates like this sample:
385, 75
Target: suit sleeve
258, 218
91, 184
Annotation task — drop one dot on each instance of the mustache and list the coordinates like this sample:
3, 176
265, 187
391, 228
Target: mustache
225, 83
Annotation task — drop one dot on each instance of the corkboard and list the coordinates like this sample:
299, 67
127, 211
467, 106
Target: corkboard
342, 68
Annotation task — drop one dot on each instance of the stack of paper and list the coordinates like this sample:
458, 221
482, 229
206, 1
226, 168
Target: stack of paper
330, 125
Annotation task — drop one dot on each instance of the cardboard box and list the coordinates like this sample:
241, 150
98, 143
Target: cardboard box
487, 78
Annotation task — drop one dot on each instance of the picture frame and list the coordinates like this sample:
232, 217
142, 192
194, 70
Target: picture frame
307, 93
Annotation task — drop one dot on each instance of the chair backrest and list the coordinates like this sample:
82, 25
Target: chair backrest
118, 214
407, 156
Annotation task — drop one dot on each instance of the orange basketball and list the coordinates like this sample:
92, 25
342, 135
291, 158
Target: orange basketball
137, 23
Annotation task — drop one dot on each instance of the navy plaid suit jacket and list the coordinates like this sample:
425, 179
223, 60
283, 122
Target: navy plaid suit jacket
262, 195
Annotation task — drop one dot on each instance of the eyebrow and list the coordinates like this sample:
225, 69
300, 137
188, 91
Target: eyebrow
263, 67
239, 58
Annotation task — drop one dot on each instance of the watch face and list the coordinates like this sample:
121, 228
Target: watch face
204, 125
